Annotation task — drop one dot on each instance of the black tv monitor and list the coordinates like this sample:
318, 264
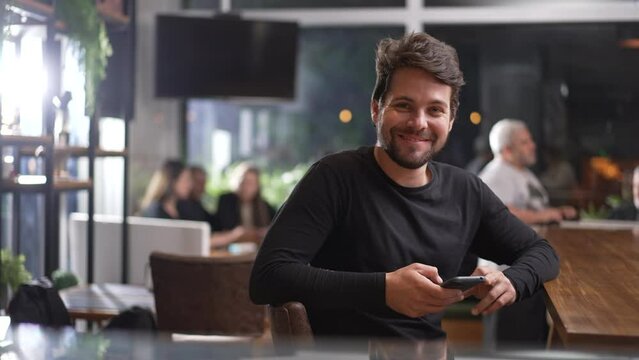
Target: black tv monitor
225, 57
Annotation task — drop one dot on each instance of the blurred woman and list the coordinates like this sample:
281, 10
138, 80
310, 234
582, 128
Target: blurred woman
245, 207
168, 186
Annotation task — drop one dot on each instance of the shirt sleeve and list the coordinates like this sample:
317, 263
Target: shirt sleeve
505, 239
282, 271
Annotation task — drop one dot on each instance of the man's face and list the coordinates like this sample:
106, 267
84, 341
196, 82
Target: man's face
523, 148
249, 186
183, 185
414, 120
635, 188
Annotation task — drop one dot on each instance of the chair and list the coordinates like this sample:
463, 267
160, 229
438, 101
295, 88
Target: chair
289, 325
206, 296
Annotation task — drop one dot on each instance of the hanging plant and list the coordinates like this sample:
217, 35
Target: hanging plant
85, 26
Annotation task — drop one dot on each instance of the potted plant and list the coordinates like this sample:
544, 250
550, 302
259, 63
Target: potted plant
12, 274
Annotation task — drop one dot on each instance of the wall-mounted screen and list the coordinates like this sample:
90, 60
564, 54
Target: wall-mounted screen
225, 57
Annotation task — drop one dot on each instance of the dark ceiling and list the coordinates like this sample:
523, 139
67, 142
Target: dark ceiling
586, 56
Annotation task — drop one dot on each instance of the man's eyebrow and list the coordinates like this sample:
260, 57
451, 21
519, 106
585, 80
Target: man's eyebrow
408, 98
440, 102
403, 98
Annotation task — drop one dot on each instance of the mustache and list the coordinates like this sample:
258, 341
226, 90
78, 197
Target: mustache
424, 134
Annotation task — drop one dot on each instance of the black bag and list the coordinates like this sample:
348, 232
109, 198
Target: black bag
38, 303
133, 318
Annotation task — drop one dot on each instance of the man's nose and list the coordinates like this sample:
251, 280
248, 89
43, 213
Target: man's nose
420, 120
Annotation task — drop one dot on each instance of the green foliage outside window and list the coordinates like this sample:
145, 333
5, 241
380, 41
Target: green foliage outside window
277, 184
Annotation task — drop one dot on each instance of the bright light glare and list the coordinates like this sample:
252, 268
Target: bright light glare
345, 116
475, 118
30, 82
22, 84
31, 179
8, 159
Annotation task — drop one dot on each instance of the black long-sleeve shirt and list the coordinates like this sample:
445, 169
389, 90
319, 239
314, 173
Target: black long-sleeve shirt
347, 223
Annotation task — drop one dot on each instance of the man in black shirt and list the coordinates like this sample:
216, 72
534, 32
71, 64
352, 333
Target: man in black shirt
368, 235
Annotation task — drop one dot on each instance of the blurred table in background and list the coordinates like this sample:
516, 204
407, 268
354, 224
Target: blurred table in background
101, 302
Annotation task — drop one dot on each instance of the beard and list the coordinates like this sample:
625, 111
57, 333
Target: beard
527, 160
409, 156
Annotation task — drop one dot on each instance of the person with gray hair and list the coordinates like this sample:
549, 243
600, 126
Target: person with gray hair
509, 178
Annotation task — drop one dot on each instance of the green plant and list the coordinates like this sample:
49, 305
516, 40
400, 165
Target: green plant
594, 212
12, 269
277, 184
85, 26
614, 201
12, 273
63, 279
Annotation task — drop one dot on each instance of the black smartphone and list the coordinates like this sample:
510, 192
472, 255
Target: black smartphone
463, 282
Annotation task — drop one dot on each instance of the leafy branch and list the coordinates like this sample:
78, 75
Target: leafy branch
12, 270
85, 26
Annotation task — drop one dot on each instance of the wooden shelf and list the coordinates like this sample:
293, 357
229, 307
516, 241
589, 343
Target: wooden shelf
74, 151
33, 9
19, 140
58, 151
112, 17
9, 186
79, 151
59, 184
41, 12
111, 153
71, 184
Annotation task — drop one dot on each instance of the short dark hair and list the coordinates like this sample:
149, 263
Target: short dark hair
422, 51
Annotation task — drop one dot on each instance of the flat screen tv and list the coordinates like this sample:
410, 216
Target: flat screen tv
225, 56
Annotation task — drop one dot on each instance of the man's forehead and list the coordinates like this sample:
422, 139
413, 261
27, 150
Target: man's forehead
413, 77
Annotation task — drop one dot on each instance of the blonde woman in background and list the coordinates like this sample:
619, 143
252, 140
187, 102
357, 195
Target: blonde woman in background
167, 187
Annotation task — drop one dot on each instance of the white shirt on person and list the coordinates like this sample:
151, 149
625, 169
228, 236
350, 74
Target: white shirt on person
515, 187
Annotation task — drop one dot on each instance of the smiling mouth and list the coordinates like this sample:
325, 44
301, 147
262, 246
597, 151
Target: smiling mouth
413, 138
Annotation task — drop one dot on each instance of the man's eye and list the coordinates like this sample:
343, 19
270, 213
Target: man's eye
402, 106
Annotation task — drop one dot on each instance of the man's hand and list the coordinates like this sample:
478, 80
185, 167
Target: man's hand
550, 215
568, 212
496, 292
414, 291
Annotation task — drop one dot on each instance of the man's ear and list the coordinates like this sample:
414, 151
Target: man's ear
450, 124
374, 112
506, 152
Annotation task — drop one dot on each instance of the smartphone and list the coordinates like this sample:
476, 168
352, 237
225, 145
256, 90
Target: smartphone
463, 282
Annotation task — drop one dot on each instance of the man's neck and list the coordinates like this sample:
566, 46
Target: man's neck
508, 160
401, 175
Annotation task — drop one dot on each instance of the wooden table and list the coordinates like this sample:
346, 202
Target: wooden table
594, 303
101, 302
